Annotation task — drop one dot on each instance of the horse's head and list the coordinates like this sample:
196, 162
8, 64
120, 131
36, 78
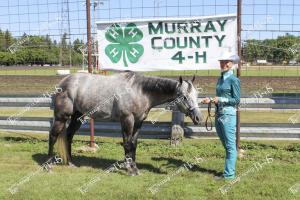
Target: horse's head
187, 101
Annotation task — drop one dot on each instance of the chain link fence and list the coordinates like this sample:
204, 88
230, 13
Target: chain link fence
39, 37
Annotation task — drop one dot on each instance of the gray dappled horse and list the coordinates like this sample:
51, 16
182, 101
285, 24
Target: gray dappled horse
124, 97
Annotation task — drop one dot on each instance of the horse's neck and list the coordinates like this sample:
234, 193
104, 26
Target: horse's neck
160, 90
158, 99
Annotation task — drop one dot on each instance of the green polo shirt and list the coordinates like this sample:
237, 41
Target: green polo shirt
228, 93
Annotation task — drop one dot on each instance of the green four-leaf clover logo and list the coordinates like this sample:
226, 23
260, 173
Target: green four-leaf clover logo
123, 43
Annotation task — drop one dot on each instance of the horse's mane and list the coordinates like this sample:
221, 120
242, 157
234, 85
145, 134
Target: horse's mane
152, 83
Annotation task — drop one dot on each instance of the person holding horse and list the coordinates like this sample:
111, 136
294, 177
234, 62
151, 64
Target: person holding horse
226, 100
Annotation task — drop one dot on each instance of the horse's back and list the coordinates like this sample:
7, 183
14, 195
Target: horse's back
87, 83
86, 91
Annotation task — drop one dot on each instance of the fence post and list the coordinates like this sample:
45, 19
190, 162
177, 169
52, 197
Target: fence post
239, 29
177, 131
90, 67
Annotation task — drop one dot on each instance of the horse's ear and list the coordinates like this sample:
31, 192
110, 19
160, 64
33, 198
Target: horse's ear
180, 80
193, 79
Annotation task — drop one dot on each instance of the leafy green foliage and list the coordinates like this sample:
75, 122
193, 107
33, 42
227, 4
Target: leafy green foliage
43, 50
277, 51
39, 50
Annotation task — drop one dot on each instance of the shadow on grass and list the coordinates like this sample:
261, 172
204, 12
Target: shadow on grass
28, 138
24, 139
179, 163
95, 162
256, 146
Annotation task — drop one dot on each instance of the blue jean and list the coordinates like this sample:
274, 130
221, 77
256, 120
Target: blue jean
226, 130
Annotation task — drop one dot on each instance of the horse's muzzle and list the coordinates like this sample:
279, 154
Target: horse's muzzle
196, 116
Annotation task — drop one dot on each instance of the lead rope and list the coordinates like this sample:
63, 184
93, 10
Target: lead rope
209, 116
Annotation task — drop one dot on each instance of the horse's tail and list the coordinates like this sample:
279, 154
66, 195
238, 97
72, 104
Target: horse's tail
62, 148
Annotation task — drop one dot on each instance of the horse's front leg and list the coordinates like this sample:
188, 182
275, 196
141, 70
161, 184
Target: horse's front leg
136, 130
127, 124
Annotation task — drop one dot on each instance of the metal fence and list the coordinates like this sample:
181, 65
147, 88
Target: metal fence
50, 34
154, 129
40, 36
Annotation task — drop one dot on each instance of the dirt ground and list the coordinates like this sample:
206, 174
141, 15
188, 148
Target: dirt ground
15, 85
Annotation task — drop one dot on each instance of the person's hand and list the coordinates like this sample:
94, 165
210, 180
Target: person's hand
206, 100
216, 100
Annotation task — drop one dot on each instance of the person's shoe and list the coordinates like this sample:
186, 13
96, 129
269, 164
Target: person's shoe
230, 178
219, 178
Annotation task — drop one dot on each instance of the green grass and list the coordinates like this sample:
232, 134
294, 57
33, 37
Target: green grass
32, 112
270, 71
246, 71
22, 154
38, 71
248, 116
36, 82
42, 71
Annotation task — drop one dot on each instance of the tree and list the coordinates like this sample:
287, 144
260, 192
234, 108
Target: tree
48, 42
2, 41
277, 51
77, 45
8, 39
7, 58
287, 45
64, 51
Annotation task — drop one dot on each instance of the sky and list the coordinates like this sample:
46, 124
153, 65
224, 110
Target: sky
260, 19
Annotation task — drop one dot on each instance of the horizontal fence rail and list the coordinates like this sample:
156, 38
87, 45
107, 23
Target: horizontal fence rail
161, 130
274, 102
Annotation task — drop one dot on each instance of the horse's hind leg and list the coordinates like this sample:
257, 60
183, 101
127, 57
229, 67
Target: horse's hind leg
57, 129
128, 144
62, 112
73, 127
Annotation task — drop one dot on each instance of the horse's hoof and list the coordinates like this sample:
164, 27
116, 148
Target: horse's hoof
134, 172
71, 165
48, 169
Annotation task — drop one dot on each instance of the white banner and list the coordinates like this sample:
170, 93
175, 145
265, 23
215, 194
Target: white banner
166, 44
